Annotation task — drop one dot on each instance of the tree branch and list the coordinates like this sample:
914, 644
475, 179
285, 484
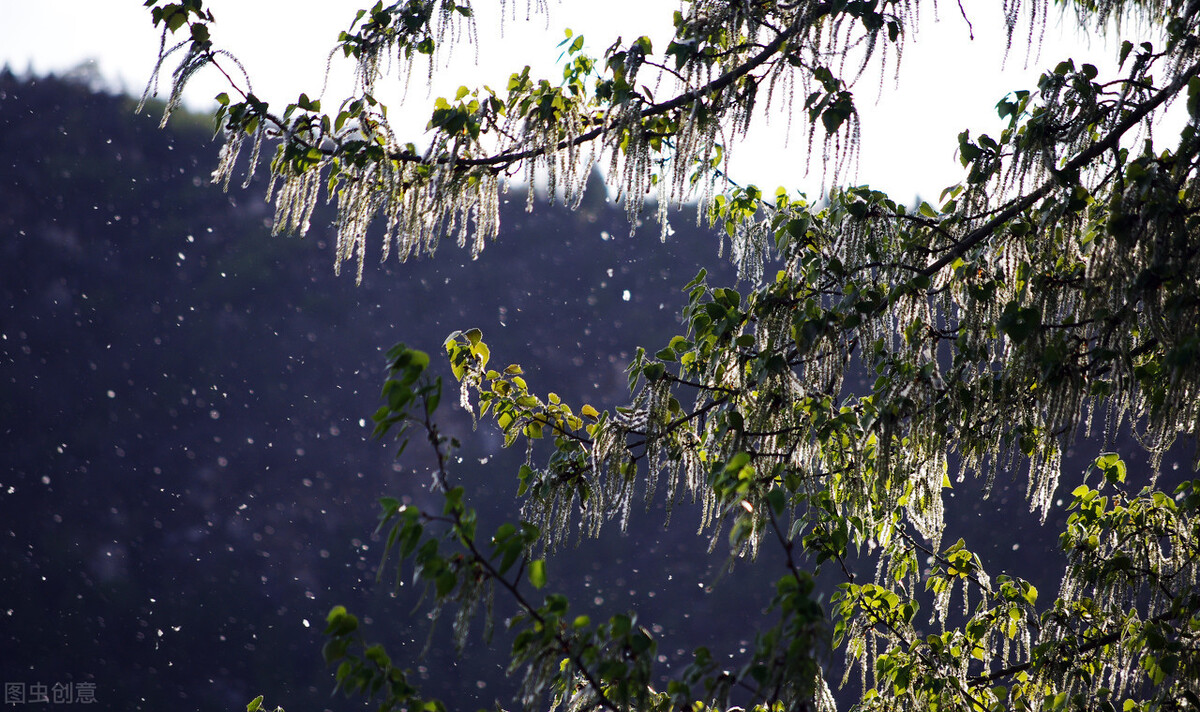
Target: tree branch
1087, 648
1092, 152
443, 477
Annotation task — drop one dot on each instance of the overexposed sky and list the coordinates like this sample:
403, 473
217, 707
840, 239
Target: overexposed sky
948, 82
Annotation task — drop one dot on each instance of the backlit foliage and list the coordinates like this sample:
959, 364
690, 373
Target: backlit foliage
1053, 294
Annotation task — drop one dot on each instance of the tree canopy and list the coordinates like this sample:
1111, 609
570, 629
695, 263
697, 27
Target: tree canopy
872, 355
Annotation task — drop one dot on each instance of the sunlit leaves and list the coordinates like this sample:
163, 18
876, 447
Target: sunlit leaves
1112, 466
608, 101
506, 394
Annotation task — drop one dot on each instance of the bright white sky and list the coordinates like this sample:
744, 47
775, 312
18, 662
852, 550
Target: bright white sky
948, 82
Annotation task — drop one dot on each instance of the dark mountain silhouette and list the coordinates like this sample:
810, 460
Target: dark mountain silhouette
188, 483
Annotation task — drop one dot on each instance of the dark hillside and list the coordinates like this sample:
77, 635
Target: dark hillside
187, 484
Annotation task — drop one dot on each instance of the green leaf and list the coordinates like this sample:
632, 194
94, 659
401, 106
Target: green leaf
482, 352
1112, 466
1126, 48
525, 474
1020, 323
445, 583
537, 573
255, 704
176, 20
777, 501
377, 655
340, 622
